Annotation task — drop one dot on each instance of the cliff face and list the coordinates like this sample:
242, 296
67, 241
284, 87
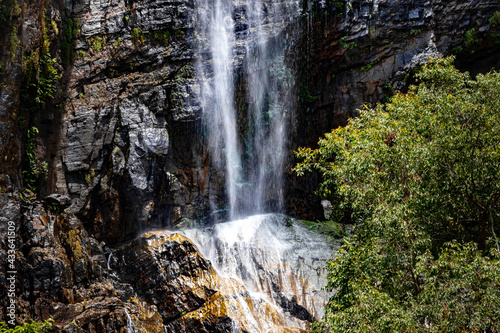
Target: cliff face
363, 51
114, 127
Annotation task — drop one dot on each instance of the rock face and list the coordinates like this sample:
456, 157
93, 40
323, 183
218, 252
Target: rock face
120, 140
363, 51
157, 282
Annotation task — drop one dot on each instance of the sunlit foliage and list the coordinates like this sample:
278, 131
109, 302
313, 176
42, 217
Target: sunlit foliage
420, 178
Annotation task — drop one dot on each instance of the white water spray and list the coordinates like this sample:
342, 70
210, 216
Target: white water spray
278, 260
247, 141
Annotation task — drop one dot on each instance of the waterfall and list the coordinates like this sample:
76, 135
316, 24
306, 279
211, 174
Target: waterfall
271, 265
218, 92
242, 53
279, 262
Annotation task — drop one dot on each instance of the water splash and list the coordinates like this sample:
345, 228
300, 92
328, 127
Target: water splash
276, 259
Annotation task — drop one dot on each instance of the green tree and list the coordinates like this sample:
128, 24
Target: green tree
420, 178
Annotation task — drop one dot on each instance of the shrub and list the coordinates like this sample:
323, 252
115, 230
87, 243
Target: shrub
470, 37
419, 178
32, 327
495, 19
137, 36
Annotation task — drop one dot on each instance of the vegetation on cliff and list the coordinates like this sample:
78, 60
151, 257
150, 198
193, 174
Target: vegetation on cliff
32, 327
419, 178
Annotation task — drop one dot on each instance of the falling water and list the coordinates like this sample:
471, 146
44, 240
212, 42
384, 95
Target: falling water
247, 102
246, 134
218, 92
130, 324
278, 261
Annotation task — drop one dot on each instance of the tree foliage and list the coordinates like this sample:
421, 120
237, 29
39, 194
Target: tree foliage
420, 178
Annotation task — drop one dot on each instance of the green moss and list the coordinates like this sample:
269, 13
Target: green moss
97, 43
161, 36
74, 241
68, 43
14, 44
137, 36
329, 228
495, 19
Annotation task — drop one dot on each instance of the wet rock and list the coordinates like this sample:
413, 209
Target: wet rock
167, 271
58, 200
363, 52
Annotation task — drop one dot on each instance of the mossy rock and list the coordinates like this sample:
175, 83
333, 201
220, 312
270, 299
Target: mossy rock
329, 228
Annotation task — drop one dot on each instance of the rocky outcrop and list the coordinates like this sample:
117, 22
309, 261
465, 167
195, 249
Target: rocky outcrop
61, 272
158, 280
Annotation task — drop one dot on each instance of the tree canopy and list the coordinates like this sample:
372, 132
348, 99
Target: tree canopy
420, 178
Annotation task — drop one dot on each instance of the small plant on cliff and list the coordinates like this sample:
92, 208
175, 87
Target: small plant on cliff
35, 171
305, 95
346, 45
97, 43
137, 36
179, 33
32, 327
81, 54
419, 178
367, 67
68, 43
415, 32
495, 19
47, 78
161, 36
14, 43
117, 43
470, 37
